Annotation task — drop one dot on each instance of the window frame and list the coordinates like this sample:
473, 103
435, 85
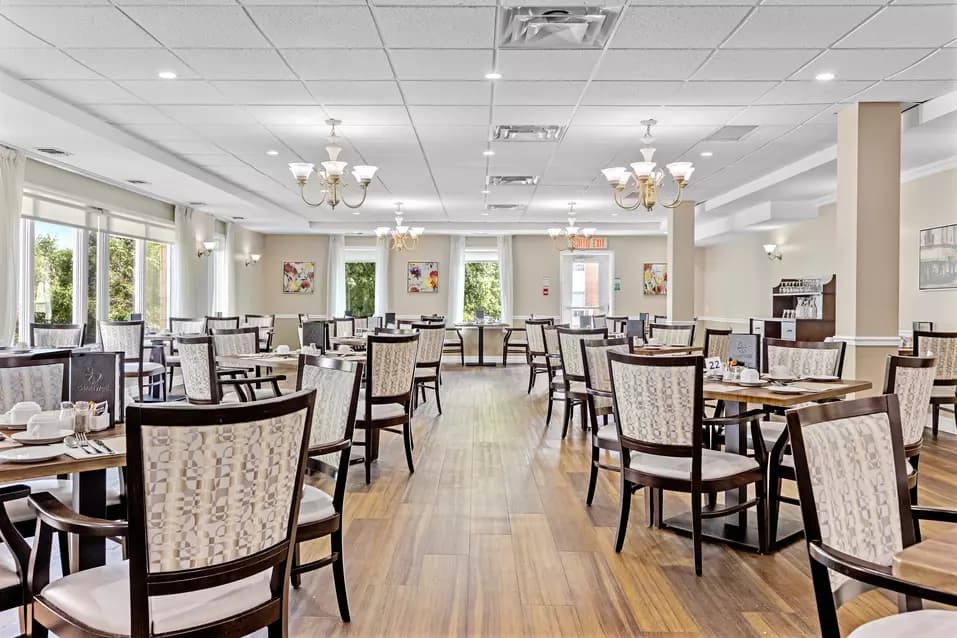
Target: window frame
480, 254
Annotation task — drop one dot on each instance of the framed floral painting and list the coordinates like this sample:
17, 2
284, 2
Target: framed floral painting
423, 276
655, 279
298, 277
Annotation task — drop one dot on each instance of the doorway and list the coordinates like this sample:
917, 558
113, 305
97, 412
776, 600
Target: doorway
586, 284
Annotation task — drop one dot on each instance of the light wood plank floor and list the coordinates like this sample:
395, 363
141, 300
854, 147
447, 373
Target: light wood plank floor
491, 537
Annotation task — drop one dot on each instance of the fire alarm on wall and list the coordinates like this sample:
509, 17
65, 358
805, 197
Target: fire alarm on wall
546, 285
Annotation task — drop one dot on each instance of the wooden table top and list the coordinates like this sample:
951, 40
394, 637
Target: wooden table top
115, 438
931, 562
819, 391
482, 324
660, 350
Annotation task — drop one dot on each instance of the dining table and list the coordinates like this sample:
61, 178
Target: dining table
651, 350
481, 326
741, 529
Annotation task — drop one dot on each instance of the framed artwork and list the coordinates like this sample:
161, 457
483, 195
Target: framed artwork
423, 276
938, 258
655, 279
298, 277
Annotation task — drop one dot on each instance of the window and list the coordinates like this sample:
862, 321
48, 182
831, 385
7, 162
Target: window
53, 273
360, 256
157, 284
483, 290
122, 277
91, 244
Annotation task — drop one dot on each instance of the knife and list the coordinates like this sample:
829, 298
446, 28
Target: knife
102, 445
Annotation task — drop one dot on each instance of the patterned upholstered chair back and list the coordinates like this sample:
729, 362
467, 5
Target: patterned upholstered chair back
56, 335
238, 341
716, 343
657, 399
344, 326
187, 325
942, 346
616, 323
260, 321
199, 369
43, 380
390, 364
308, 317
849, 462
569, 345
535, 333
123, 336
214, 487
362, 323
431, 343
222, 323
912, 380
551, 338
337, 385
805, 358
595, 357
679, 334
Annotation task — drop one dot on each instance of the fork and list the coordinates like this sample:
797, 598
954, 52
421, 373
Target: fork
86, 445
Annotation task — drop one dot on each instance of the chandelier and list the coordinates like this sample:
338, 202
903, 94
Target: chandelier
647, 177
331, 174
403, 237
567, 238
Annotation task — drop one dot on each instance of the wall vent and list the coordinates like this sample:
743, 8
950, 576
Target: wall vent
731, 133
503, 207
52, 150
137, 182
556, 27
511, 180
527, 133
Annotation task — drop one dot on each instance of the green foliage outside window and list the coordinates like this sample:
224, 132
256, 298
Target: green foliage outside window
360, 288
52, 281
122, 278
482, 289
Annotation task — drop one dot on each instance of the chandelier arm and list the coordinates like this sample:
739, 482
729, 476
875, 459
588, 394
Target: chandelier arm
365, 191
302, 194
677, 201
621, 204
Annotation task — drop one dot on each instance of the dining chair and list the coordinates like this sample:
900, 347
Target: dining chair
361, 324
428, 362
303, 316
204, 382
598, 390
432, 318
922, 326
943, 346
343, 326
245, 341
512, 345
673, 334
127, 337
616, 323
659, 413
266, 325
852, 480
387, 398
57, 335
535, 335
222, 323
454, 342
181, 326
573, 370
658, 318
14, 557
214, 500
553, 359
716, 343
337, 385
912, 380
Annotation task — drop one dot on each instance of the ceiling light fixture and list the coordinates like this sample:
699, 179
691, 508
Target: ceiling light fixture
485, 191
488, 152
272, 152
647, 177
166, 75
403, 237
826, 76
572, 236
492, 75
706, 153
331, 174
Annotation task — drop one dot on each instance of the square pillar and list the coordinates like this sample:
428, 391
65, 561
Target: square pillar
681, 262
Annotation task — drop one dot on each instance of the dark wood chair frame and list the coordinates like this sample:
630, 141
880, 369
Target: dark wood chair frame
428, 381
911, 450
226, 377
618, 323
632, 480
575, 399
139, 375
266, 344
349, 320
535, 366
331, 526
16, 595
172, 365
233, 320
936, 402
553, 361
372, 427
54, 516
451, 346
56, 326
823, 557
673, 327
242, 374
922, 326
516, 347
594, 412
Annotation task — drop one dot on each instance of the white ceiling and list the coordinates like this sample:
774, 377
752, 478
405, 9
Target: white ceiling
406, 77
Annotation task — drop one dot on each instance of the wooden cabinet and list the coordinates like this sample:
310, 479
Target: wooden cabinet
803, 310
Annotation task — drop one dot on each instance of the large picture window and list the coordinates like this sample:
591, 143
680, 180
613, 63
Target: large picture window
483, 287
360, 288
122, 277
53, 273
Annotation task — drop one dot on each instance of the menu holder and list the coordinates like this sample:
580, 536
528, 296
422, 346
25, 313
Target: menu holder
314, 332
479, 315
586, 322
635, 331
98, 377
389, 320
745, 349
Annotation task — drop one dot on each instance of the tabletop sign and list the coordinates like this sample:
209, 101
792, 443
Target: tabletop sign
586, 322
93, 377
314, 332
745, 350
480, 314
635, 330
713, 363
389, 320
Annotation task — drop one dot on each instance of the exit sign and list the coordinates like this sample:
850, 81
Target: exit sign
585, 243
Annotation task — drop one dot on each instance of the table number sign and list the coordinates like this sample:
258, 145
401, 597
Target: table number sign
93, 377
713, 363
745, 350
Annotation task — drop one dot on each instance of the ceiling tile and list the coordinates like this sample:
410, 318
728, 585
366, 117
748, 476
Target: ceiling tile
265, 92
781, 114
650, 64
631, 92
932, 25
129, 114
429, 116
700, 27
43, 64
447, 64
199, 26
289, 115
132, 64
719, 93
906, 91
862, 64
339, 64
237, 64
208, 114
543, 93
754, 64
798, 26
289, 27
178, 92
370, 115
531, 114
81, 27
161, 132
438, 93
88, 91
437, 27
546, 65
368, 92
670, 116
940, 66
13, 36
799, 92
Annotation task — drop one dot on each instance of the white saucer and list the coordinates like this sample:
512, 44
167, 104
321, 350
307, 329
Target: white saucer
29, 454
28, 439
823, 377
752, 384
780, 379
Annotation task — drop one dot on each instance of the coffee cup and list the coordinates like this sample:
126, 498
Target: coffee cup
749, 375
43, 425
23, 411
282, 349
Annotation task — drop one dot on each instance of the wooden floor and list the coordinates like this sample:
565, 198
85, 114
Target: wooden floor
491, 537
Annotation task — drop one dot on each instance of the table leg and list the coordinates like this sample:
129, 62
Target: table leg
736, 441
481, 351
89, 498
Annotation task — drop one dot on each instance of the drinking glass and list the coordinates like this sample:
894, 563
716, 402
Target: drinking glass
82, 423
67, 415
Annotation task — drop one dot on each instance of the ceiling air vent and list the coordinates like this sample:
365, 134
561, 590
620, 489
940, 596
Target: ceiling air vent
51, 150
527, 133
511, 180
731, 133
137, 182
503, 207
556, 27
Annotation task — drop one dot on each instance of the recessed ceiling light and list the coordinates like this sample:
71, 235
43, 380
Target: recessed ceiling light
485, 214
706, 153
488, 153
827, 76
167, 75
492, 75
614, 214
272, 152
486, 191
355, 212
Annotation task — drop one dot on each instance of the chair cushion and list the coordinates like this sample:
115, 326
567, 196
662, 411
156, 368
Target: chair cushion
8, 568
609, 434
926, 623
149, 367
772, 431
714, 465
316, 505
379, 410
425, 373
100, 599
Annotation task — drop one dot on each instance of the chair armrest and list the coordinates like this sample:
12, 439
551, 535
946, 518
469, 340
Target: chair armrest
598, 393
231, 371
329, 448
736, 419
874, 574
923, 513
250, 380
61, 518
13, 492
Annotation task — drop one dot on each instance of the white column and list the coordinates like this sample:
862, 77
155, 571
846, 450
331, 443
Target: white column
139, 277
80, 256
681, 262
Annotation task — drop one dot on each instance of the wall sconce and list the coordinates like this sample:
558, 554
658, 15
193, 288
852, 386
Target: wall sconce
253, 259
208, 248
772, 252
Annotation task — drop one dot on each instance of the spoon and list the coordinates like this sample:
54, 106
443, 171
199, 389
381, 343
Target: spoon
72, 442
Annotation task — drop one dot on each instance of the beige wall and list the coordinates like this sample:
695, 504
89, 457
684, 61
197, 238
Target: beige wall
248, 291
403, 302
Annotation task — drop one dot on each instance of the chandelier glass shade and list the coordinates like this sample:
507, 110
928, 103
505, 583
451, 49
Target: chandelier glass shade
566, 238
331, 175
402, 237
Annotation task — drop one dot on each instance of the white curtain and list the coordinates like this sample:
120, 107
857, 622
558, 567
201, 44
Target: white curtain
382, 253
186, 270
456, 279
336, 276
12, 165
505, 276
232, 255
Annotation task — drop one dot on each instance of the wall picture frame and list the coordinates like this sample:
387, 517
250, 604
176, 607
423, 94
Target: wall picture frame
655, 279
298, 277
423, 276
937, 258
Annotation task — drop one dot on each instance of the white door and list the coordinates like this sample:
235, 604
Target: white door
586, 284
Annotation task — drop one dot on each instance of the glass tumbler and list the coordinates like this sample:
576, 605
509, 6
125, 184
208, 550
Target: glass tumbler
67, 415
82, 417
